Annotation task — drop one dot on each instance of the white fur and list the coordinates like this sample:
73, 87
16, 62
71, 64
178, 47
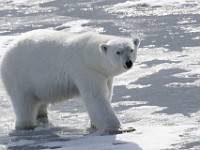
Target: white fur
46, 66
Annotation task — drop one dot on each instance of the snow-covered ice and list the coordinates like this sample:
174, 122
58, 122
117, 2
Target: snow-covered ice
159, 96
155, 7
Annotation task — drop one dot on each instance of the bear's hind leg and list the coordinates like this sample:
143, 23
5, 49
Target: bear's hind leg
26, 109
92, 126
42, 112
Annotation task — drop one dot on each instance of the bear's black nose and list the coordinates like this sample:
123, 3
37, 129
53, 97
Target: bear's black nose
129, 64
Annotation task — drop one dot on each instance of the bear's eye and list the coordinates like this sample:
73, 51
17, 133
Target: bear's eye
118, 53
131, 50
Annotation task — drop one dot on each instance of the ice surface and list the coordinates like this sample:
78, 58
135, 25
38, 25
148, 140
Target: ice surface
159, 96
160, 3
157, 7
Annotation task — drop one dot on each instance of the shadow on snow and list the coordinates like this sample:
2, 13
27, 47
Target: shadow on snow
176, 99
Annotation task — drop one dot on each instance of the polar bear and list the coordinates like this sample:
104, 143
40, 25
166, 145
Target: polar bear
46, 66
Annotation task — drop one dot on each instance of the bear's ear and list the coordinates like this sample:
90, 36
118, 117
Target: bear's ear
103, 48
136, 42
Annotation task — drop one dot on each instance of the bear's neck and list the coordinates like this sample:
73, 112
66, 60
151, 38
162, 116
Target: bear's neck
98, 62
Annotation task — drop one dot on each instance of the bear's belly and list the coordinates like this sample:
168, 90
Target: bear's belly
52, 93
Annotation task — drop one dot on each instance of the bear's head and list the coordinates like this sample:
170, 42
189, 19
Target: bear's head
121, 53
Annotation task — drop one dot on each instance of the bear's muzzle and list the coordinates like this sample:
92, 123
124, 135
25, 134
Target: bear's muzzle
128, 64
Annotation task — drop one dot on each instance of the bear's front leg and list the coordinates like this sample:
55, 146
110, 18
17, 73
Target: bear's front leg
110, 88
95, 95
101, 113
110, 91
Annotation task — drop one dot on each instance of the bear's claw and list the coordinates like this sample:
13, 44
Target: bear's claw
122, 130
